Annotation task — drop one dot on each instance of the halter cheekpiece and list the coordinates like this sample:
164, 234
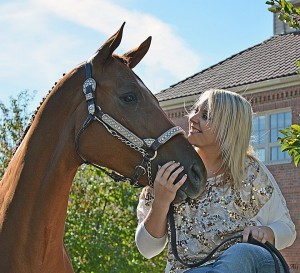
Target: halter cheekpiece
147, 147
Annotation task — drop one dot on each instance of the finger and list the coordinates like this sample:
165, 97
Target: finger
164, 172
170, 169
180, 182
162, 169
258, 234
265, 238
246, 233
261, 234
254, 233
174, 175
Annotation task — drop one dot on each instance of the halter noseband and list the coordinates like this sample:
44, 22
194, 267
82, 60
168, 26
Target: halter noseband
147, 147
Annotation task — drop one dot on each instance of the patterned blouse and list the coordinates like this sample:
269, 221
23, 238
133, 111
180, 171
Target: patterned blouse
220, 212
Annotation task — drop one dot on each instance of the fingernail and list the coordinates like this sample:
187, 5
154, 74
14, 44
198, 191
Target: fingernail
159, 166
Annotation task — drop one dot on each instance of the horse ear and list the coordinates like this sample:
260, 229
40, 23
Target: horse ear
107, 49
134, 56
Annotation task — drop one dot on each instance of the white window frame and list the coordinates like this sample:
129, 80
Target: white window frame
268, 145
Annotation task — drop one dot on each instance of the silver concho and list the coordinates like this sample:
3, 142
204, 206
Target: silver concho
89, 82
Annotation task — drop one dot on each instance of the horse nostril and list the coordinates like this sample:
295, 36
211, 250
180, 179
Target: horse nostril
197, 176
194, 173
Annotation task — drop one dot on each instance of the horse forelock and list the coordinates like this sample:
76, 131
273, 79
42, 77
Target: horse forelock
122, 59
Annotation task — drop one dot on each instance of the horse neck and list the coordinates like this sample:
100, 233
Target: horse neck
35, 188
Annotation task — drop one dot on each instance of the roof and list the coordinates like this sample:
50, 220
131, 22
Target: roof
271, 59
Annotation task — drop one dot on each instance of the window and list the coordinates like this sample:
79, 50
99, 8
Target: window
265, 134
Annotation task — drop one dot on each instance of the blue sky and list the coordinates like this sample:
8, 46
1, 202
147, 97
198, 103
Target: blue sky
42, 39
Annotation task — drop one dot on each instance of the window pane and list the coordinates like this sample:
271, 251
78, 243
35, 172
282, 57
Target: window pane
262, 123
274, 135
280, 154
261, 154
273, 121
287, 119
253, 140
286, 155
259, 130
277, 155
255, 124
262, 138
266, 131
280, 120
274, 154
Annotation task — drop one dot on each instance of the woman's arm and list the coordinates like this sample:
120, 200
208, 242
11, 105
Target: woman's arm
275, 216
152, 230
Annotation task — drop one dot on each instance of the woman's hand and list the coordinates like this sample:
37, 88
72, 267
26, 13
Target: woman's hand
164, 188
262, 234
164, 193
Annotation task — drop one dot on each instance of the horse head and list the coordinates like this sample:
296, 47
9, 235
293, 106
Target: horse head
126, 130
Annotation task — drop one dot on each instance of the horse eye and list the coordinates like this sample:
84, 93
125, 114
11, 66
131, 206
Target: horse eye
128, 98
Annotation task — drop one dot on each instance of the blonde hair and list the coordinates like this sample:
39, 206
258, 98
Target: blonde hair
230, 116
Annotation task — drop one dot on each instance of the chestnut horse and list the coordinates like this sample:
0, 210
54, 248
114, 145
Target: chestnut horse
100, 112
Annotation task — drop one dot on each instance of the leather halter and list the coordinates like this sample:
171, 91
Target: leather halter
147, 147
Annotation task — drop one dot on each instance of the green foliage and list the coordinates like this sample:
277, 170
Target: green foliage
101, 225
13, 120
291, 142
286, 12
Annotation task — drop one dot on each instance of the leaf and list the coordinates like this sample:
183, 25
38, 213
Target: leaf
297, 160
273, 9
285, 147
296, 127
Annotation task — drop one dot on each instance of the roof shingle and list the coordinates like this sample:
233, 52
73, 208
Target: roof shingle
273, 58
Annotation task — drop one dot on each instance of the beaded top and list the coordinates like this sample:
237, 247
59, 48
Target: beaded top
220, 212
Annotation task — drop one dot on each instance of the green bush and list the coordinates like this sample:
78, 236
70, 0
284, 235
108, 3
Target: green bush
101, 224
13, 121
291, 142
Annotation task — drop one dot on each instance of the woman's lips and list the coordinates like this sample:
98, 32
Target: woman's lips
194, 130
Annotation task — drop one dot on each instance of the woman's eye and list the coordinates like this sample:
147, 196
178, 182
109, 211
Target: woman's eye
128, 98
205, 116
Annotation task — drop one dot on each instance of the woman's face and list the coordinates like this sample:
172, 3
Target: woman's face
200, 132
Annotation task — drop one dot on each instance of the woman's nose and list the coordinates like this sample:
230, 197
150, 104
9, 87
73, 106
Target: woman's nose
193, 118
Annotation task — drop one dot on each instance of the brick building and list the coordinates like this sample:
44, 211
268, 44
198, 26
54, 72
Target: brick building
267, 75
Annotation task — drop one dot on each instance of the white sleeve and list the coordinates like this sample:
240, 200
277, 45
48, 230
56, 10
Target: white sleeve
147, 245
275, 214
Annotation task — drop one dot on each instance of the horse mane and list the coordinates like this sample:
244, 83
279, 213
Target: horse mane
32, 119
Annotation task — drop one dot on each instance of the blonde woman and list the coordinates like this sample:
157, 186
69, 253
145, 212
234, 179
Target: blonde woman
241, 196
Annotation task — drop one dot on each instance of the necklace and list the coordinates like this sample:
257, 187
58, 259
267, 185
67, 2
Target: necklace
212, 173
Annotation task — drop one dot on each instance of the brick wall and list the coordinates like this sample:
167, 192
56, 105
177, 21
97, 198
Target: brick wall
286, 175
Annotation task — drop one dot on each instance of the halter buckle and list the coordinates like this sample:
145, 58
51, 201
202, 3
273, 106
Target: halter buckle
89, 82
142, 168
155, 154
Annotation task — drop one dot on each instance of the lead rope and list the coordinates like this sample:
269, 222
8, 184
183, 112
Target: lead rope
268, 246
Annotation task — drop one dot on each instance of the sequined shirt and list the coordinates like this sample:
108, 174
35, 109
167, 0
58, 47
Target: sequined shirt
220, 212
